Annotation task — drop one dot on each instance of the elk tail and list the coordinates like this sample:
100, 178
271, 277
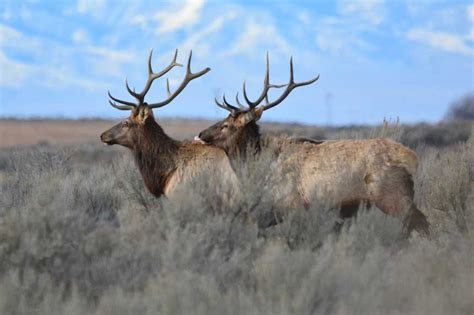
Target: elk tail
417, 221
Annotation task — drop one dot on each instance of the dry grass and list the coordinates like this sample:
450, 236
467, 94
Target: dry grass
80, 235
31, 132
71, 132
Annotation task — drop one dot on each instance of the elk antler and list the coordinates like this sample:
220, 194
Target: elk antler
264, 95
225, 105
140, 97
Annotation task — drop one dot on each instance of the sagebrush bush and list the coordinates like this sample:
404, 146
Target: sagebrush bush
78, 237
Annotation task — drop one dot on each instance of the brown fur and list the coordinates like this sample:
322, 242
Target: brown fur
341, 173
164, 163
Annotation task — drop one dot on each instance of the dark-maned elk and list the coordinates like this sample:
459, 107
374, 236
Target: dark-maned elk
163, 162
341, 173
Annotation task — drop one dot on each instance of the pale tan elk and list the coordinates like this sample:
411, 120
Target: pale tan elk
163, 162
341, 173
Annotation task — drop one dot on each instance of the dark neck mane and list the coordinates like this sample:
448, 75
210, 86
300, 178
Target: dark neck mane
155, 154
247, 145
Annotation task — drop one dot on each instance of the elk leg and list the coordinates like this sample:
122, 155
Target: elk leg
347, 210
392, 192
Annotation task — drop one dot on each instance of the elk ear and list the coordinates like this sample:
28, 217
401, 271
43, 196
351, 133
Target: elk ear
144, 114
253, 115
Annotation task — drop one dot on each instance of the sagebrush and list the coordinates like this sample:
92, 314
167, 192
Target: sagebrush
80, 234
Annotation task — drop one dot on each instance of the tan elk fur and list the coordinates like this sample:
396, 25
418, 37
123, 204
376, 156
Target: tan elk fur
340, 173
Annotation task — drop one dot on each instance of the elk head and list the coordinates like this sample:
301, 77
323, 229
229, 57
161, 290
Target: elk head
128, 132
240, 126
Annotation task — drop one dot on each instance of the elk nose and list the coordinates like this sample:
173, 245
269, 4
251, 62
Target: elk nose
199, 138
104, 137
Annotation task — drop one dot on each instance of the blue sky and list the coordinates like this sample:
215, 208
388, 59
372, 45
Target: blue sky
377, 59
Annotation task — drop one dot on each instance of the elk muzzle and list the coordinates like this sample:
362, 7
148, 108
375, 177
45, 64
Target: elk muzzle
114, 135
209, 135
204, 137
107, 138
198, 139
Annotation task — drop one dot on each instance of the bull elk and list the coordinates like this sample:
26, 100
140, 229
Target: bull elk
341, 173
163, 162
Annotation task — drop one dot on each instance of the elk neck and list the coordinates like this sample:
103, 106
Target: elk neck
156, 155
246, 144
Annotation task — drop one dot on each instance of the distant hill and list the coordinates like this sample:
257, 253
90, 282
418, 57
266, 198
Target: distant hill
15, 132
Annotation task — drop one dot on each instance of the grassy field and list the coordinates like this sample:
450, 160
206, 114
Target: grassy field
71, 132
79, 234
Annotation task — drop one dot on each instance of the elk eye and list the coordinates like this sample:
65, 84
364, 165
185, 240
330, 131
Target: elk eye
125, 124
224, 127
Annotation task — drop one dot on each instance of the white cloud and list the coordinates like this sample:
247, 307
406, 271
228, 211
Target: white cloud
13, 39
256, 35
58, 78
140, 20
340, 40
80, 36
441, 40
95, 8
345, 34
341, 37
110, 54
199, 40
108, 62
179, 16
13, 73
470, 16
372, 11
92, 7
8, 34
304, 17
16, 74
55, 63
470, 12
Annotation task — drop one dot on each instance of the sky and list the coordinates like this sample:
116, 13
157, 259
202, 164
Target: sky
400, 59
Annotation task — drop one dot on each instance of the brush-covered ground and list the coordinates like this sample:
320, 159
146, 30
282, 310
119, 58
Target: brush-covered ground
79, 234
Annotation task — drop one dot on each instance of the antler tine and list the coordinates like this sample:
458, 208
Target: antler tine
266, 80
172, 64
238, 101
277, 85
121, 107
221, 105
150, 69
187, 78
289, 87
266, 99
191, 75
152, 76
291, 72
226, 106
168, 87
242, 107
249, 102
266, 87
128, 104
132, 92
